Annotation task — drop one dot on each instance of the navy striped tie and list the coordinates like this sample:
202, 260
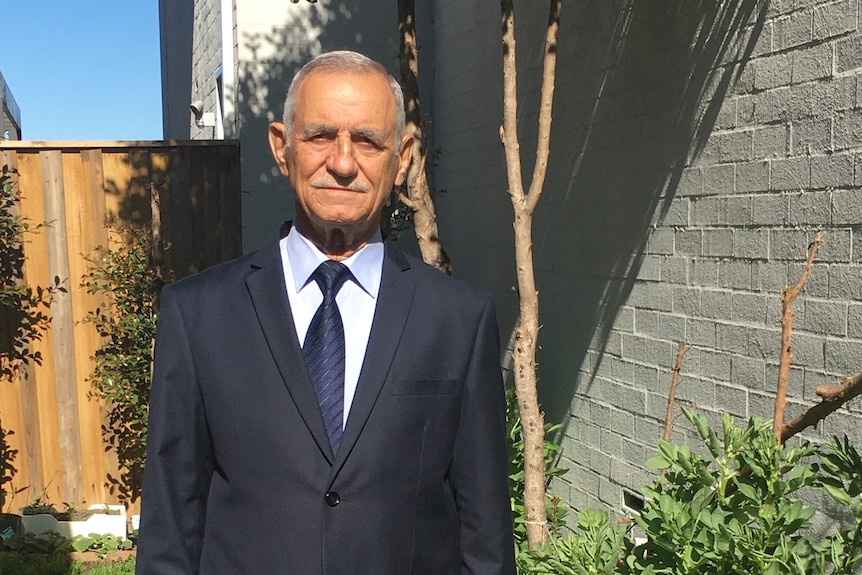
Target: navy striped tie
324, 350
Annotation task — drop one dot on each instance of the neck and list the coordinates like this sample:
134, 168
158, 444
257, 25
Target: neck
336, 243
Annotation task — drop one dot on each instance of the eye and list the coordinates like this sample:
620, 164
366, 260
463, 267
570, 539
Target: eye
321, 137
368, 144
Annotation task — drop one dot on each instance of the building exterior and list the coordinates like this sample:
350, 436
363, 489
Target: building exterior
233, 61
696, 149
10, 118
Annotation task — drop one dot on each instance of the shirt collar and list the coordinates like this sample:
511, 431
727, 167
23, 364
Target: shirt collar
366, 264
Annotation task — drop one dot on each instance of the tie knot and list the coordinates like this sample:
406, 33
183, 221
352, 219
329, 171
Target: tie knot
330, 276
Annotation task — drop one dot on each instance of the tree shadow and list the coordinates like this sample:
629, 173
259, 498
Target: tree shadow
642, 106
273, 57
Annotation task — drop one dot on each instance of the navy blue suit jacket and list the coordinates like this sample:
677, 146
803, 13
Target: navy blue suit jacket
240, 478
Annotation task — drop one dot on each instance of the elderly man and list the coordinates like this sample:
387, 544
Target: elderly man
328, 405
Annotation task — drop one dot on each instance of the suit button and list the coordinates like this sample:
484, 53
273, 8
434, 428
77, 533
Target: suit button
332, 498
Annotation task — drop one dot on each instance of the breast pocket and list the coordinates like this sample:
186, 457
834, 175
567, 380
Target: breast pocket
424, 386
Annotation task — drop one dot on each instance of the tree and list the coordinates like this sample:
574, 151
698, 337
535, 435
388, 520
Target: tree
418, 196
524, 205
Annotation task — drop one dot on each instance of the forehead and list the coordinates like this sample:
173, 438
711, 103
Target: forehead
345, 99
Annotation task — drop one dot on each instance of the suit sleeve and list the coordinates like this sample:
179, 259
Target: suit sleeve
179, 463
480, 468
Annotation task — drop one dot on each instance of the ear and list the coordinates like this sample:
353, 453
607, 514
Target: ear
404, 158
277, 144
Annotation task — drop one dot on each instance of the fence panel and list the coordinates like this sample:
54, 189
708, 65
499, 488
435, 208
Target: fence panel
79, 190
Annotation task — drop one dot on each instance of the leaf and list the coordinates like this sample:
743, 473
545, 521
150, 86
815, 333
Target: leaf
658, 463
81, 543
749, 492
836, 490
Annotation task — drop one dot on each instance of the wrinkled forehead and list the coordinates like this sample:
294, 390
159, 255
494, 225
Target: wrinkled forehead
346, 95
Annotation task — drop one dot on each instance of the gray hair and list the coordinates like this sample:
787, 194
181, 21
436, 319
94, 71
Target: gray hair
344, 61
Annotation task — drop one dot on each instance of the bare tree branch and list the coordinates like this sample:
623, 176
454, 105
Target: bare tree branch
543, 145
509, 129
674, 384
787, 298
833, 398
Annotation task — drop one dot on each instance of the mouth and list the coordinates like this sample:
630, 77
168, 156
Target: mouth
331, 186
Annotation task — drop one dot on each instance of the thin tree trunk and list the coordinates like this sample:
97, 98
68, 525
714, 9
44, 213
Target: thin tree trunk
418, 196
524, 204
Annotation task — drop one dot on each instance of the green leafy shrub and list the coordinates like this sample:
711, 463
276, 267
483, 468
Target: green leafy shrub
841, 477
127, 325
736, 512
22, 307
596, 547
732, 510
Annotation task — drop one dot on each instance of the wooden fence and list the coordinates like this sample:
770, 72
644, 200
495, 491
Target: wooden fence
79, 190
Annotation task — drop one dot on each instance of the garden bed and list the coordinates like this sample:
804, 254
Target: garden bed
101, 519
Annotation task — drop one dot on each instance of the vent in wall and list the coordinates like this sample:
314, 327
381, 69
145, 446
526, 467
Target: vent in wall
632, 502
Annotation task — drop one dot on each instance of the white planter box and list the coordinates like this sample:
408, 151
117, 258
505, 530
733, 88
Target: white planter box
101, 523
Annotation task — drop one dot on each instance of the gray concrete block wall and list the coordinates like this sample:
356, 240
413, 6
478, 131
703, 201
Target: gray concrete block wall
686, 180
752, 207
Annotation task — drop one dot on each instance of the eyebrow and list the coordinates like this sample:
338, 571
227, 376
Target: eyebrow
369, 133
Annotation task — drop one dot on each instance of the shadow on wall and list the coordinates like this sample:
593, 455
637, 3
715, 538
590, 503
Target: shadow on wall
648, 82
268, 61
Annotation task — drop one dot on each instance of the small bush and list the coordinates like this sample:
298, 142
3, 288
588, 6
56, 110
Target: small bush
732, 511
127, 325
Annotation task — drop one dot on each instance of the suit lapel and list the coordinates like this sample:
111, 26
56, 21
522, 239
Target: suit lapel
266, 287
393, 307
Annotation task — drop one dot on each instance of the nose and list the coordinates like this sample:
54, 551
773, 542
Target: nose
341, 161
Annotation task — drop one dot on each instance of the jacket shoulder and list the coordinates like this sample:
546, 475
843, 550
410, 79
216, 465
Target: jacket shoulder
216, 278
441, 285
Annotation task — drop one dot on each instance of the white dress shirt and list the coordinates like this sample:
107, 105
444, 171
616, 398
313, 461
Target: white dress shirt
356, 300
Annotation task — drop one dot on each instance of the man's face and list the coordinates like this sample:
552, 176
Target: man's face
342, 158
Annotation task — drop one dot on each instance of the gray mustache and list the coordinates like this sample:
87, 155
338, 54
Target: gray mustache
353, 187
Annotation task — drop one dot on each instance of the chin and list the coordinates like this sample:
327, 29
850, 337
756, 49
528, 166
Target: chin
338, 219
